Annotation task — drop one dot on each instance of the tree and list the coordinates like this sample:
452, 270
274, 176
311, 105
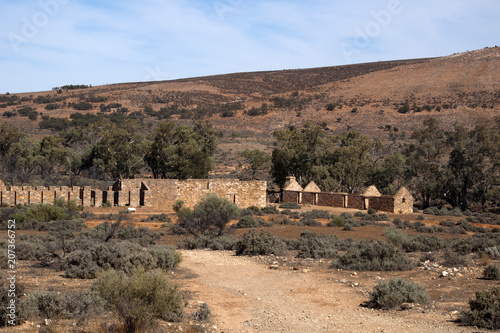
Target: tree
50, 154
17, 160
257, 160
212, 213
472, 165
182, 151
297, 152
120, 150
426, 161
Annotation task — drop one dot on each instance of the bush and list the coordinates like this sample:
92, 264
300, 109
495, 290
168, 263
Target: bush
346, 215
388, 295
166, 257
264, 243
367, 255
247, 222
142, 235
337, 221
290, 205
270, 210
43, 304
492, 272
484, 310
212, 213
311, 245
359, 214
317, 214
140, 298
394, 235
453, 259
176, 229
157, 218
306, 221
203, 313
422, 243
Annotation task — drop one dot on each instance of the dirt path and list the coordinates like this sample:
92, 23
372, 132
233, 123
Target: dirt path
245, 295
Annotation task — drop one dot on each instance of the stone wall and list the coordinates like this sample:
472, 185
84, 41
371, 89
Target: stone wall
355, 201
382, 203
331, 199
291, 196
154, 193
400, 203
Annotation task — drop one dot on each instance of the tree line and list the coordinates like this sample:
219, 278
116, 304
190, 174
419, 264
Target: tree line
459, 167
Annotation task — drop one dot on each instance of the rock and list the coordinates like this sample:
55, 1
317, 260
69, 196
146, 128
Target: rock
444, 274
274, 266
407, 306
47, 322
343, 281
454, 313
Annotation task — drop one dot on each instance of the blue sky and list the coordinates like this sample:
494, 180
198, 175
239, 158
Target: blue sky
49, 43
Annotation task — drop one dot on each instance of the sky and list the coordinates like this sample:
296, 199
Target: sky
51, 43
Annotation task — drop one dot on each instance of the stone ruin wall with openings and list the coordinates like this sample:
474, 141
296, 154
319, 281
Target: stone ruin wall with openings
154, 193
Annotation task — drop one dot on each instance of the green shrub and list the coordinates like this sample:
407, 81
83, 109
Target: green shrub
157, 218
453, 259
422, 243
166, 257
309, 222
337, 221
176, 229
359, 214
371, 211
388, 295
263, 243
492, 272
346, 215
311, 245
316, 214
484, 310
43, 304
394, 235
270, 210
141, 298
142, 235
348, 227
421, 217
366, 255
290, 205
247, 222
203, 313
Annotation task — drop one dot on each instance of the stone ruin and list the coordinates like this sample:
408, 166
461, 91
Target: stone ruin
400, 203
158, 194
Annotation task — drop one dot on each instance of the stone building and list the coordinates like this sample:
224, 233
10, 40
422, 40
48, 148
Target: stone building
152, 193
400, 203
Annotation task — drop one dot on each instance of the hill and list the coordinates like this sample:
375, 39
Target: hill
377, 99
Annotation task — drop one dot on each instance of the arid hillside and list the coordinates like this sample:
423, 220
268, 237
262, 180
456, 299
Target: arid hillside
247, 107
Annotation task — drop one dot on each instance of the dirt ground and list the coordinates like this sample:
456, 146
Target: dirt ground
286, 294
245, 295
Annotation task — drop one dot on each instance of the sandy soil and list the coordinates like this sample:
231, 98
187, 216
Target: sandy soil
246, 295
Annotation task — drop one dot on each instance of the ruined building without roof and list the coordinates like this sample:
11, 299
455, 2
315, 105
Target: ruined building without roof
153, 193
400, 203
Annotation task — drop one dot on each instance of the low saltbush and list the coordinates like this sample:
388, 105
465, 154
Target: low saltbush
367, 255
263, 243
393, 293
484, 310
